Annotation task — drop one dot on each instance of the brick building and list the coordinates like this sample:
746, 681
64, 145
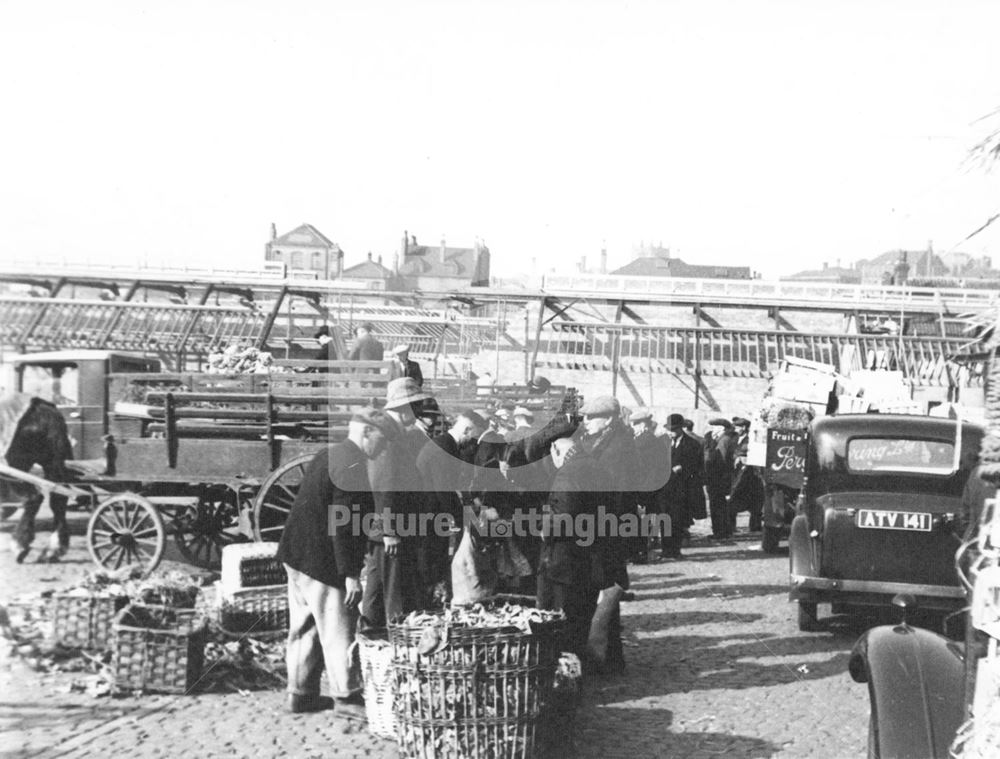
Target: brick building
305, 248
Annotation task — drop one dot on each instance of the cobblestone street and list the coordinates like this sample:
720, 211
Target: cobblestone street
716, 668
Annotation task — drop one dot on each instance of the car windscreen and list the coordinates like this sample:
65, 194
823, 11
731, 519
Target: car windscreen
933, 457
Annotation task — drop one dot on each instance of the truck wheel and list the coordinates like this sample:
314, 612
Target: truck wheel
770, 539
808, 621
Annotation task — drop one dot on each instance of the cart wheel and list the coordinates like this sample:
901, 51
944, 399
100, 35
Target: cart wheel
275, 497
204, 529
126, 530
808, 620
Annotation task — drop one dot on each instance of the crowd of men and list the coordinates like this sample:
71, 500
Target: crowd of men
405, 460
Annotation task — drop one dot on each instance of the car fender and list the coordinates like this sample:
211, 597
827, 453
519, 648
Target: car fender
800, 548
916, 687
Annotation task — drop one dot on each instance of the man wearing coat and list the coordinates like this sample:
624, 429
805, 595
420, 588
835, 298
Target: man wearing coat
565, 579
404, 366
366, 347
685, 469
323, 560
611, 444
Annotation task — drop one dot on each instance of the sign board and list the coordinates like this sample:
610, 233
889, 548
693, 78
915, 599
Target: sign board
786, 457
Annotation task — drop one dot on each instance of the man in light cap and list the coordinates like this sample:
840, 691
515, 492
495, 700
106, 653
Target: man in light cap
399, 493
403, 366
653, 468
604, 436
323, 560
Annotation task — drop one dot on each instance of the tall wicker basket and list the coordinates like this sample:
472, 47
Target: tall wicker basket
471, 692
376, 671
158, 648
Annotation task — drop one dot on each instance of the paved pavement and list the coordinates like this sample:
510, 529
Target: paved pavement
716, 668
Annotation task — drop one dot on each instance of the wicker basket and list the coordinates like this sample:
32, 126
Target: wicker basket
158, 648
85, 621
251, 565
255, 610
376, 670
456, 712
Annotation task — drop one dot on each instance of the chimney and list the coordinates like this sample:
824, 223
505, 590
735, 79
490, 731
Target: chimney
442, 251
274, 231
604, 259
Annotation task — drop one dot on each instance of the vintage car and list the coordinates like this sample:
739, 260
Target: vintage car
878, 513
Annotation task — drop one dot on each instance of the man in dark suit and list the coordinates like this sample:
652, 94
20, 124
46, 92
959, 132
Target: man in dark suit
323, 559
685, 466
366, 347
327, 350
404, 366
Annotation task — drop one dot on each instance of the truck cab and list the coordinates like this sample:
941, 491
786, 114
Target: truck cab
76, 382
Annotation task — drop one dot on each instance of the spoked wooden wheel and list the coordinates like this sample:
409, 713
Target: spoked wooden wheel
204, 529
275, 498
126, 530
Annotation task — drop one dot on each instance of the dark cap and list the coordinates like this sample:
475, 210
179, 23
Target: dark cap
474, 417
377, 419
539, 385
675, 421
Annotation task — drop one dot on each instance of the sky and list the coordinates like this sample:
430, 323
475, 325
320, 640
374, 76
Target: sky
775, 134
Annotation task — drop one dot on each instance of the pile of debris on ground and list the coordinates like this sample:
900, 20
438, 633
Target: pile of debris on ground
231, 663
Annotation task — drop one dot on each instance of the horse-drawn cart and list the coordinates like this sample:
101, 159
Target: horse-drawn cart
210, 459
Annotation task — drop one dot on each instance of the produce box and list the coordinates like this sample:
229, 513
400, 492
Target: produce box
251, 565
158, 648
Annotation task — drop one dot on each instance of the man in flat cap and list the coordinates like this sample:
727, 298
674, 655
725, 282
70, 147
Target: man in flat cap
366, 347
605, 438
748, 487
404, 366
391, 588
653, 467
718, 456
323, 559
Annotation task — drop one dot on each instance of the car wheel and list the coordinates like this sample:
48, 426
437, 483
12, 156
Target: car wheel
770, 539
808, 621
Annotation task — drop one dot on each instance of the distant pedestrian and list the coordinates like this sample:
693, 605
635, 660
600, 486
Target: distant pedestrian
404, 366
366, 346
718, 450
653, 455
685, 465
323, 561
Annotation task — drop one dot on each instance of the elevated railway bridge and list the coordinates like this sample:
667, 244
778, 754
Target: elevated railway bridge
692, 328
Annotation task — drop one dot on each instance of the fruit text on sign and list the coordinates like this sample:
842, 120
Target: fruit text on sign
786, 457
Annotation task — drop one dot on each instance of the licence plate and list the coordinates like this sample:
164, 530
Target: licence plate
876, 519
